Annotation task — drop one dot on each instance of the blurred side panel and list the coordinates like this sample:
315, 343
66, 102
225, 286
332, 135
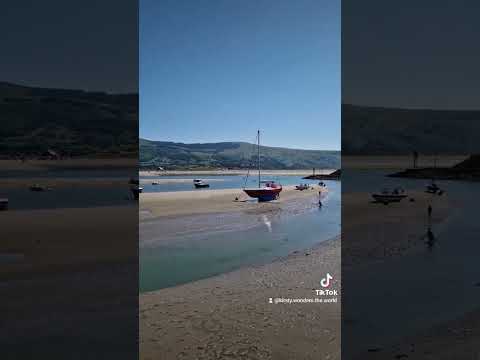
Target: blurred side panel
68, 180
410, 125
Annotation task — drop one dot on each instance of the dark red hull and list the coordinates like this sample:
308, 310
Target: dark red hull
264, 194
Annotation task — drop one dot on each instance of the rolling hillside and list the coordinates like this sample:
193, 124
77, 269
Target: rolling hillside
236, 155
69, 122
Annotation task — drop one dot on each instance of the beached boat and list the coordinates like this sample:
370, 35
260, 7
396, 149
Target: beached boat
387, 196
267, 190
432, 188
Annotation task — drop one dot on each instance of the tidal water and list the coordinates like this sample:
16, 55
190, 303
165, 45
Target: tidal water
83, 193
185, 182
183, 249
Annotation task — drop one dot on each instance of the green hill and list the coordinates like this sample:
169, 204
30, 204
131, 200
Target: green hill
69, 122
236, 155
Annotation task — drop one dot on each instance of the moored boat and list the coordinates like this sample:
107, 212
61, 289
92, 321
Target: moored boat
200, 184
432, 188
387, 196
267, 190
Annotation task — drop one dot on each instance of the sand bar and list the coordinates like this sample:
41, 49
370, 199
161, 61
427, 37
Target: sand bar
229, 316
210, 201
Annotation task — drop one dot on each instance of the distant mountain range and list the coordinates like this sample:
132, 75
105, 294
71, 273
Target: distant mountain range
171, 155
389, 131
68, 122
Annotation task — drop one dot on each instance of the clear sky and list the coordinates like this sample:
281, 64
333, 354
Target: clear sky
88, 44
411, 54
218, 70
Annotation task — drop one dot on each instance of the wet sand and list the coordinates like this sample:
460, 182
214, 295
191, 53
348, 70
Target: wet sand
154, 205
62, 239
230, 317
71, 276
376, 231
456, 339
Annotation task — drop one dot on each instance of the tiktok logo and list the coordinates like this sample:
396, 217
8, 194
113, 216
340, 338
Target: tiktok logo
326, 281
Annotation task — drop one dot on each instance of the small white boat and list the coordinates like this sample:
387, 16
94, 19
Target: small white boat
200, 184
387, 196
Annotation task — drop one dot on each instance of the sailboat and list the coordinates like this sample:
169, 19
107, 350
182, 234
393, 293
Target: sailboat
267, 190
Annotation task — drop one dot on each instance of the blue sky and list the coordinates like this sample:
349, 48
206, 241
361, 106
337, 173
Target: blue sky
218, 70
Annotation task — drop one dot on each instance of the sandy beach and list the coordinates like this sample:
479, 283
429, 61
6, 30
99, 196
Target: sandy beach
70, 275
59, 239
456, 339
230, 317
210, 201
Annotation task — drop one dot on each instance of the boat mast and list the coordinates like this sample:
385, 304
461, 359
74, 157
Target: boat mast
258, 138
